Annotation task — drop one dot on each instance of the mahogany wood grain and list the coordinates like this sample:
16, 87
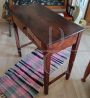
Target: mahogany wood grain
47, 62
72, 56
17, 39
60, 45
26, 44
39, 19
35, 21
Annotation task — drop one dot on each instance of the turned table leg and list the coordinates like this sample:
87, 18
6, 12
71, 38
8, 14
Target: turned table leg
17, 39
87, 72
47, 59
72, 56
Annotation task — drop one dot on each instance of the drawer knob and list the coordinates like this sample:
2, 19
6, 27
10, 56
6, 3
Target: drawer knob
24, 28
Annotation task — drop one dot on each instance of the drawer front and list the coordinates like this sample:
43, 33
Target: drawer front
63, 44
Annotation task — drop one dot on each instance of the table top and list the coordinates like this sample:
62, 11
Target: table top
42, 20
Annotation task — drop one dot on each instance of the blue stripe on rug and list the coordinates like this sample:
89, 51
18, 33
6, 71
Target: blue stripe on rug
25, 79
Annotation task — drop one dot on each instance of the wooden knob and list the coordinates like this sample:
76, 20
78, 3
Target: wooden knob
24, 28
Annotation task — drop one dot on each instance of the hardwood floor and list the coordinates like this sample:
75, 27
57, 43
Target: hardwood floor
72, 88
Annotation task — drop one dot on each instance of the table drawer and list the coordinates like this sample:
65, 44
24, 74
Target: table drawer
64, 44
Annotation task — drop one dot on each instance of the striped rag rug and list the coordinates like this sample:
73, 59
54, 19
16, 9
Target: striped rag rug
25, 79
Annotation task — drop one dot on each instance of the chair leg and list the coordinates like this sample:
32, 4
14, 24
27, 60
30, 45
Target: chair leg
87, 72
17, 39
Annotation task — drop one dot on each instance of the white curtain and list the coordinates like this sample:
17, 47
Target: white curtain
82, 4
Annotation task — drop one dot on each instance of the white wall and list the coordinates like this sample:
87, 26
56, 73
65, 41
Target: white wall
1, 6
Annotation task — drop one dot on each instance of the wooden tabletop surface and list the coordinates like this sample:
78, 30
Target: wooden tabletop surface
39, 19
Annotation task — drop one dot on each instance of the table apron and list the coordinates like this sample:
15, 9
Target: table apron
27, 32
63, 44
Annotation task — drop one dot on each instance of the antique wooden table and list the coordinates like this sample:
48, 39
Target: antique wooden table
50, 32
